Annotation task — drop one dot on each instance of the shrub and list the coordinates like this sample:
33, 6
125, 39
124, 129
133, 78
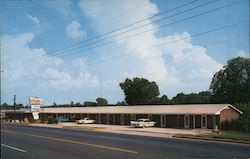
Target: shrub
52, 121
31, 120
43, 120
241, 124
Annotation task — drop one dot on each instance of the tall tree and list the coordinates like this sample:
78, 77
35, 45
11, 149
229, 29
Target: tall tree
139, 91
232, 83
101, 101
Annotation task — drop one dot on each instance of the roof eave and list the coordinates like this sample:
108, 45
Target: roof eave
229, 105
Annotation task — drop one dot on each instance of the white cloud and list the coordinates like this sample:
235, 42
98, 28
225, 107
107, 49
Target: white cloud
63, 80
33, 19
79, 62
42, 70
175, 67
241, 53
74, 31
63, 7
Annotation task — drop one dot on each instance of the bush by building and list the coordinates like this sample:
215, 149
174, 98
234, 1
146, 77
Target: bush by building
241, 124
52, 121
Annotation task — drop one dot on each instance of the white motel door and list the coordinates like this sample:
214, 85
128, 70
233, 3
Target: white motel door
163, 120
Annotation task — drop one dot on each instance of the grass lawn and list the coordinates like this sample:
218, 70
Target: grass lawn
234, 135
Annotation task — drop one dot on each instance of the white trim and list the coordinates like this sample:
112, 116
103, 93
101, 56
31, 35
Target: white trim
202, 121
186, 126
229, 105
163, 118
122, 119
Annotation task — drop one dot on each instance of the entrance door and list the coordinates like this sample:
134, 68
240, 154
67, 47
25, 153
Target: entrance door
186, 121
203, 121
163, 120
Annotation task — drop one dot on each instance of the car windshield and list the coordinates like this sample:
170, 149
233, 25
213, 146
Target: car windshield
140, 120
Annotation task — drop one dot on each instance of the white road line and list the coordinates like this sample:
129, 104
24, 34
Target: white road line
14, 148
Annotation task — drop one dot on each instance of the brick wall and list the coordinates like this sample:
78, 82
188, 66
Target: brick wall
228, 114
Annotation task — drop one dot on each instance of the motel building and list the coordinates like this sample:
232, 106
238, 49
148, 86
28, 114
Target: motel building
207, 116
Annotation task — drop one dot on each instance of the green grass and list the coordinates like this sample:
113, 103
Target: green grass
233, 135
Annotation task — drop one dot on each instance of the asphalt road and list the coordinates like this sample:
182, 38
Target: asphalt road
26, 142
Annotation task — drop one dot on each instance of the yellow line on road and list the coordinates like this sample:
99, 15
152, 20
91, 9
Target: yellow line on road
73, 141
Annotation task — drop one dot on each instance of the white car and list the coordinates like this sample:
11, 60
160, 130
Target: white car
85, 121
142, 123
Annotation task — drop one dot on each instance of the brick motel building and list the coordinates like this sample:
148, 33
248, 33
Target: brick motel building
207, 116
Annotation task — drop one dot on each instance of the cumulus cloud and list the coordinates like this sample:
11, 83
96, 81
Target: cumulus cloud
33, 19
63, 80
32, 66
74, 31
175, 67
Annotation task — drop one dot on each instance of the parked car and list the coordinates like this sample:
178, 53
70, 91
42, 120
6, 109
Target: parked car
62, 119
85, 121
142, 123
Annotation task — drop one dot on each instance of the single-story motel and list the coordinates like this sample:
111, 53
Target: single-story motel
208, 116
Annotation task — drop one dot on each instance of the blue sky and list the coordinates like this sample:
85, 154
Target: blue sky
33, 30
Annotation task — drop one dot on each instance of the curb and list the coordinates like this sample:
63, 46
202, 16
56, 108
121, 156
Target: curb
213, 139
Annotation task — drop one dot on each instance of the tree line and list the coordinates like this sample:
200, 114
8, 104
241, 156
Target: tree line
231, 85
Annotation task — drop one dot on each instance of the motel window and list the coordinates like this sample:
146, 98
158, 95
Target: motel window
133, 118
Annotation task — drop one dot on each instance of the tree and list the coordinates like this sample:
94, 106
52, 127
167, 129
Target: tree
122, 103
180, 98
162, 100
232, 83
101, 101
139, 91
5, 106
78, 104
193, 98
54, 104
89, 103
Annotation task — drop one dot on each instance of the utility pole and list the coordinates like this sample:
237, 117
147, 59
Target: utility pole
14, 99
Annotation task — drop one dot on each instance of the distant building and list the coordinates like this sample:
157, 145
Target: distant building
170, 116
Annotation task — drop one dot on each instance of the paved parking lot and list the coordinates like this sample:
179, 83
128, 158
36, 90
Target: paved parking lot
124, 129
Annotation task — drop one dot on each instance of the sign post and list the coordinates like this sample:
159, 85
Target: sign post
35, 106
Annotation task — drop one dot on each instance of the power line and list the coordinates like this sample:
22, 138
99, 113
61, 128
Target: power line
129, 25
114, 35
150, 58
165, 25
173, 41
